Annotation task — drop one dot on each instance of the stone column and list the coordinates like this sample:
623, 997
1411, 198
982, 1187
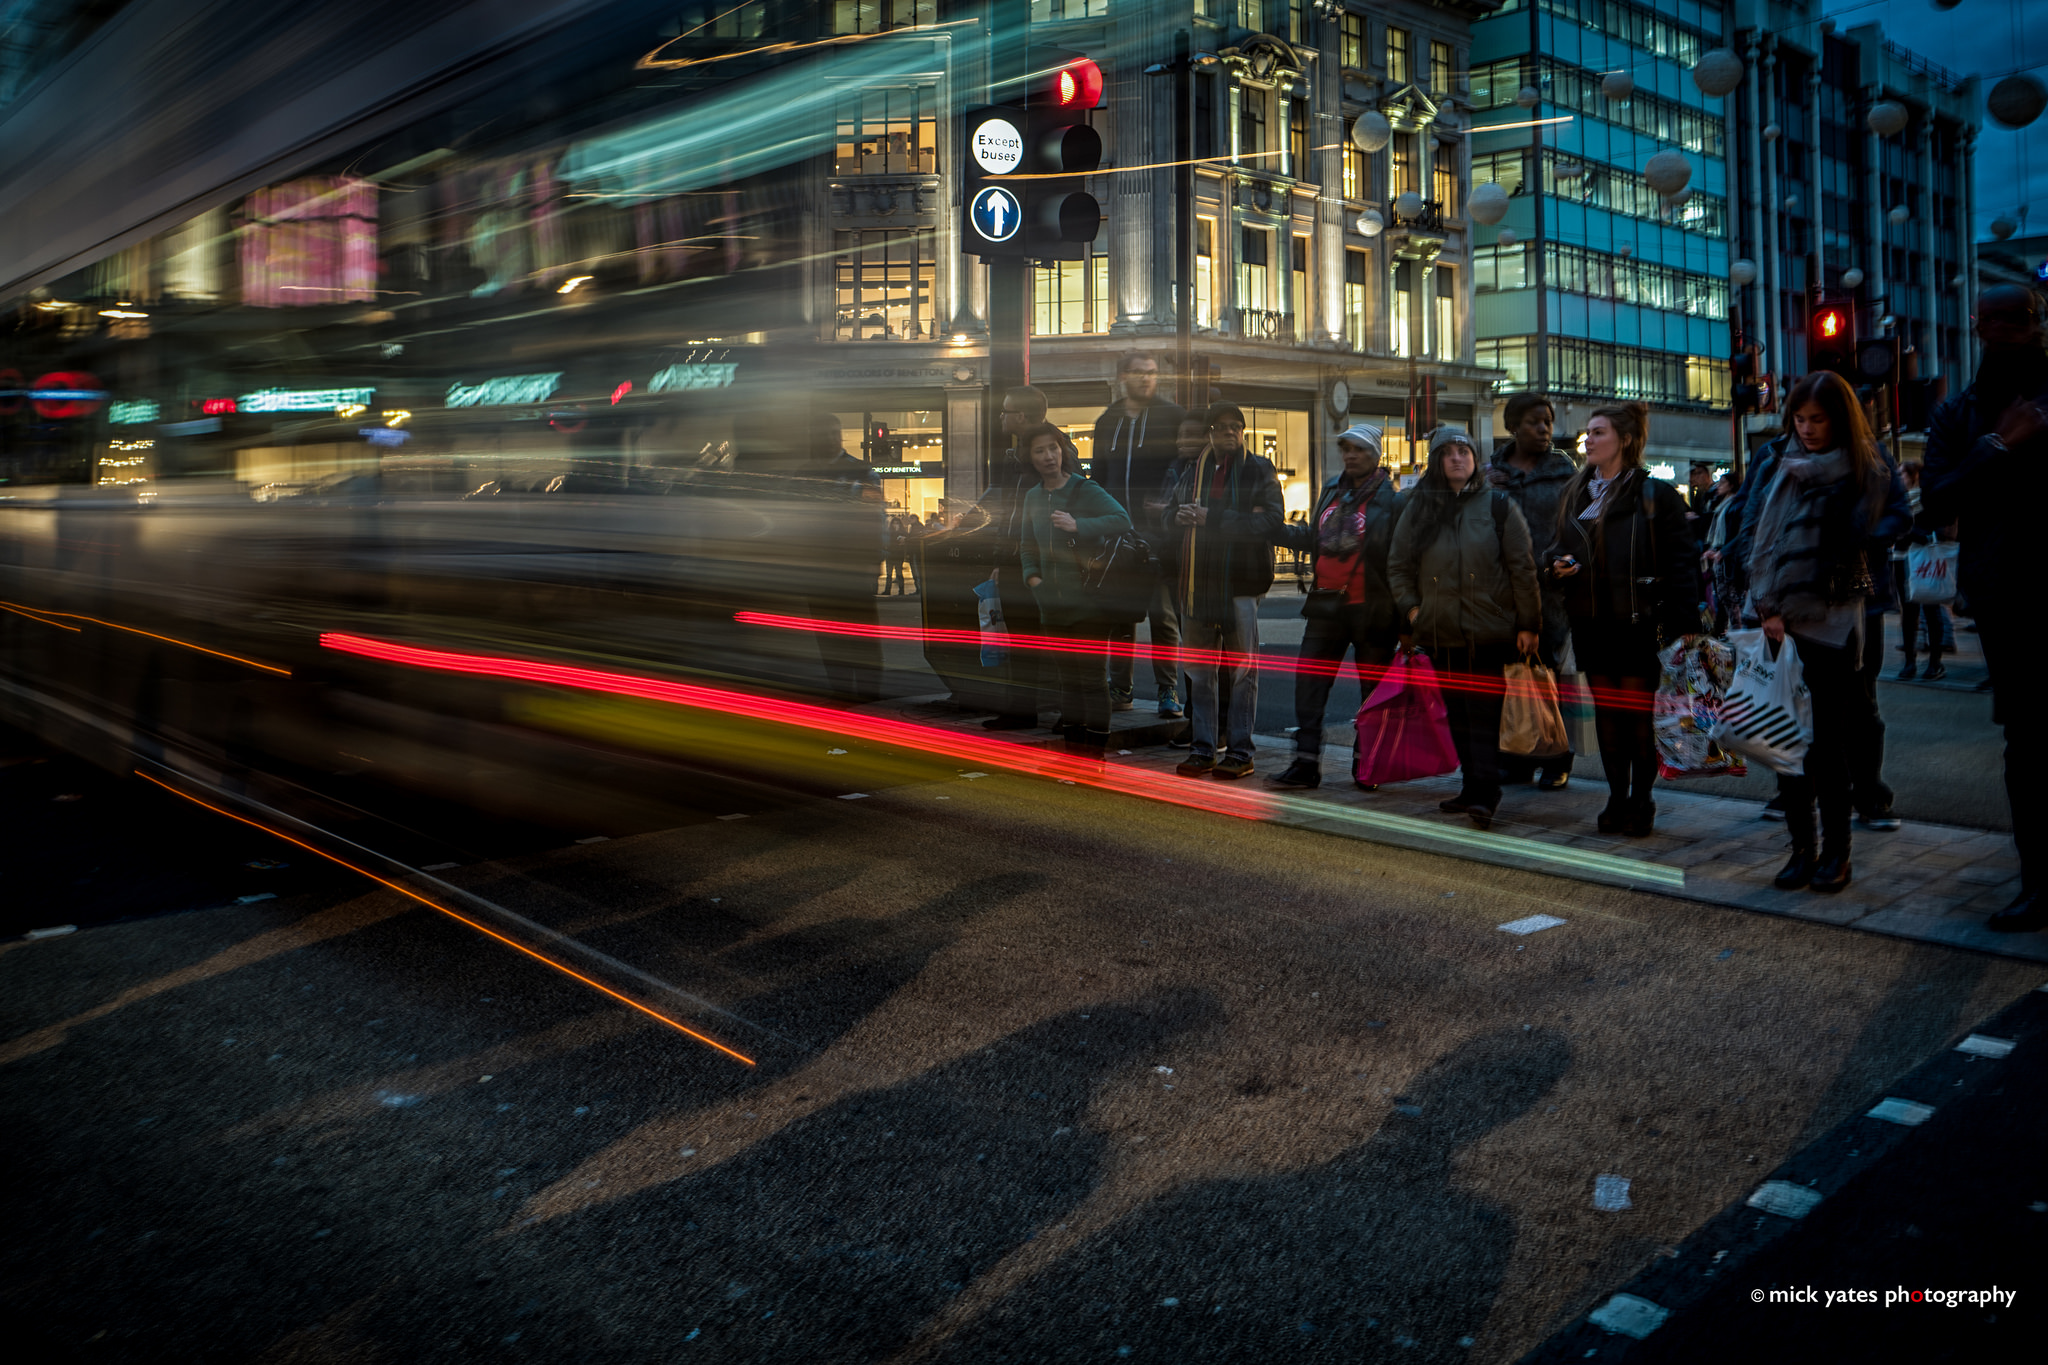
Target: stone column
1929, 236
1140, 203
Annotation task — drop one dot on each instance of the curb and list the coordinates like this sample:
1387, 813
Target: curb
1615, 1329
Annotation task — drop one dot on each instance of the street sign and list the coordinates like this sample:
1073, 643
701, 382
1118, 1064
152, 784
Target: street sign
996, 215
996, 143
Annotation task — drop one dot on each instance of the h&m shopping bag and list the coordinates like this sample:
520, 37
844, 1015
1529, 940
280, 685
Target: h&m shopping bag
1403, 730
1530, 721
1768, 712
989, 610
1931, 573
1690, 695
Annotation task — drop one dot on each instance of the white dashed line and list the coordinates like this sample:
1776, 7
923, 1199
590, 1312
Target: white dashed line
1905, 1113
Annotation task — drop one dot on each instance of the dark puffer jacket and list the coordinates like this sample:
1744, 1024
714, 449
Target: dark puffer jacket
1633, 567
1537, 493
1474, 581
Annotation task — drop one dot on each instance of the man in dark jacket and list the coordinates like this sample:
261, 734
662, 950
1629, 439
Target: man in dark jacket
1532, 471
1003, 503
1352, 608
1134, 447
1225, 510
1982, 448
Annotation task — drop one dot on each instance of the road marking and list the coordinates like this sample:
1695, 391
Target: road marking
1905, 1113
1531, 924
1784, 1198
1977, 1045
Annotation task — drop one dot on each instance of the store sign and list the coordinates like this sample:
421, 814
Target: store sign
697, 376
934, 470
132, 412
65, 394
505, 392
301, 400
384, 436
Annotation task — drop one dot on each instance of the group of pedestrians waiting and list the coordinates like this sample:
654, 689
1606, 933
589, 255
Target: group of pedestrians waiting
1530, 555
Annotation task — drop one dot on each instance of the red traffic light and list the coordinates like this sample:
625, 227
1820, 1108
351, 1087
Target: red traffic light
1827, 325
1077, 85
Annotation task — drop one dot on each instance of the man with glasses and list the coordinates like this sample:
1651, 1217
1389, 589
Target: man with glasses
1224, 511
1134, 447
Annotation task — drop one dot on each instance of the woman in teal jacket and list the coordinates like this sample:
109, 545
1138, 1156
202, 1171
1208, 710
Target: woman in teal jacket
1066, 517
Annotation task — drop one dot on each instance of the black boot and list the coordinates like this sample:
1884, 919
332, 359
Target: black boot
1799, 823
1798, 869
1832, 872
1642, 817
1614, 816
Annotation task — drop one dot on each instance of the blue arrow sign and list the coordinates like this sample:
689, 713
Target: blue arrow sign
996, 214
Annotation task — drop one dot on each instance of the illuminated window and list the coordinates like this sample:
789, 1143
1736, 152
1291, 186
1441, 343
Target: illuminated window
1354, 166
1249, 15
884, 285
889, 131
1354, 41
1405, 178
1443, 179
1446, 314
1298, 163
1205, 272
1401, 321
1303, 295
1252, 103
747, 20
1254, 247
1504, 353
1071, 298
314, 241
1442, 71
876, 16
1355, 329
1397, 56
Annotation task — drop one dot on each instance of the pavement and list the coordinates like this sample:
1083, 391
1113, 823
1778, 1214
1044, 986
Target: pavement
1036, 1063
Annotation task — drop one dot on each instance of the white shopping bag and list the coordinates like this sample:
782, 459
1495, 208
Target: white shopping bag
1931, 573
989, 611
1768, 712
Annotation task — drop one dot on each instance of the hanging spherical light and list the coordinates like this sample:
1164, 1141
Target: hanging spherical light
1527, 97
1742, 273
1946, 4
1667, 172
1488, 203
1957, 280
1407, 204
1772, 132
1851, 278
1624, 251
1791, 203
1371, 224
1718, 72
1678, 200
1372, 131
1898, 213
2003, 227
1617, 85
1506, 237
2016, 101
1887, 117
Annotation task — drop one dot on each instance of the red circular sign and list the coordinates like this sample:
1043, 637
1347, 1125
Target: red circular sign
67, 393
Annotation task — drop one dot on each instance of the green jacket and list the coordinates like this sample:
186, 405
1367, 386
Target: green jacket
1057, 556
1475, 585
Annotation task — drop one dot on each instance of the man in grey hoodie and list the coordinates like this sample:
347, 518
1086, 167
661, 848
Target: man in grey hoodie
1532, 471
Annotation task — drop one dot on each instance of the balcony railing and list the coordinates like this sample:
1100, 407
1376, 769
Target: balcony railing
1263, 324
1430, 219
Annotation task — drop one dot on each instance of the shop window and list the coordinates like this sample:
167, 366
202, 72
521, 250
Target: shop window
311, 241
1397, 56
889, 131
885, 284
1356, 331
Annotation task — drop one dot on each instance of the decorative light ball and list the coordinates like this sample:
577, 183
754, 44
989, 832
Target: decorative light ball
1372, 131
1624, 251
1617, 85
2016, 101
1851, 278
1718, 72
1667, 172
1371, 224
1487, 203
1898, 213
1791, 203
1772, 132
1506, 237
2003, 227
1957, 281
1742, 273
1947, 4
1887, 117
1527, 97
1407, 204
1678, 200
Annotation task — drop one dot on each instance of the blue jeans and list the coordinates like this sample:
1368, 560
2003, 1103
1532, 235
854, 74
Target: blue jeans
1238, 635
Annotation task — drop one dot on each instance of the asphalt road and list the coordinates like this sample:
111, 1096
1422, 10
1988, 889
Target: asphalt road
1037, 1073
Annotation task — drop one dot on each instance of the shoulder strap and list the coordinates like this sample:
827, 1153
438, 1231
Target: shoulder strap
1500, 520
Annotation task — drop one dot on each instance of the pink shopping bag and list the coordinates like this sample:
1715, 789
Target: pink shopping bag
1403, 731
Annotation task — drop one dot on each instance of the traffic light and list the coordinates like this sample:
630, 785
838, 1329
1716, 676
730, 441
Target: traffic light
1831, 338
1060, 217
1877, 360
1745, 386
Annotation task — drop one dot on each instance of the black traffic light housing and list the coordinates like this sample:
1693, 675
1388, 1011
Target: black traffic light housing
1024, 165
1877, 361
1831, 338
1745, 384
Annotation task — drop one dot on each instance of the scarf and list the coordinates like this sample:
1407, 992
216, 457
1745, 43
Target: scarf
1789, 575
1341, 529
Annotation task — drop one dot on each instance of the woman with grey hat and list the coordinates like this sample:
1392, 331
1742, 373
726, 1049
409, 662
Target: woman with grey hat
1464, 582
1348, 537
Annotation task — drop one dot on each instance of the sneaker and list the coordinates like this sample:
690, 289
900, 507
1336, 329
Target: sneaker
1169, 704
1934, 673
1120, 700
1232, 766
1773, 810
1881, 819
1303, 772
1195, 765
1910, 672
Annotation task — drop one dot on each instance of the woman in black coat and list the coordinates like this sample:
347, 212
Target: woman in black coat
1625, 559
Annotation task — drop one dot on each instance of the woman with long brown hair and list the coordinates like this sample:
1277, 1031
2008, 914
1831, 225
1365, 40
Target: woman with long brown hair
1623, 554
1827, 506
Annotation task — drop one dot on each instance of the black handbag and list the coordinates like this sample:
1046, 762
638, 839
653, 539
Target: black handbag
1322, 604
1122, 579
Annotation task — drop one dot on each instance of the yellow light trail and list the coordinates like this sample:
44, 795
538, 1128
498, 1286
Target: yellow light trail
32, 614
459, 918
21, 611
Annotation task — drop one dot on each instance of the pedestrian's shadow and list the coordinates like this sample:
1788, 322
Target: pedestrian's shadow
1375, 1254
